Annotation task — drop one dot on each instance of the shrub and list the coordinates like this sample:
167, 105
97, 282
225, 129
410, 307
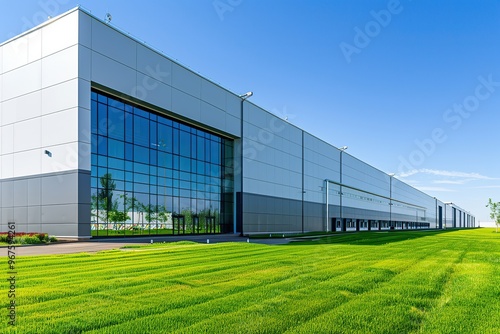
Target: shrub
27, 238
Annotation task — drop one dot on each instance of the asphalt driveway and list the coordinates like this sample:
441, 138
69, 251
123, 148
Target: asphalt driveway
97, 245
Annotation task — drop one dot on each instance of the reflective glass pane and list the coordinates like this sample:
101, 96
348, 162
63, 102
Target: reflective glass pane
144, 164
185, 144
141, 131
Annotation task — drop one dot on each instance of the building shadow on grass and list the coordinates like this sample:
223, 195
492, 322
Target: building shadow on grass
372, 238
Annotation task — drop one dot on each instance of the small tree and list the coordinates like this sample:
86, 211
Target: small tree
494, 212
116, 216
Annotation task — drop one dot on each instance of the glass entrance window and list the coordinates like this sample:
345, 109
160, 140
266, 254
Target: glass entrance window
152, 174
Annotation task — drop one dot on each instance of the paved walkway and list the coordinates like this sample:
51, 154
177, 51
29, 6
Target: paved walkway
97, 245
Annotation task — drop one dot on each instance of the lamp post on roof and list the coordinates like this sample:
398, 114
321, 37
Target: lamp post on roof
239, 210
342, 224
391, 175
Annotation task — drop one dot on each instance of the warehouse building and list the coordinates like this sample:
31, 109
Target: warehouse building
101, 135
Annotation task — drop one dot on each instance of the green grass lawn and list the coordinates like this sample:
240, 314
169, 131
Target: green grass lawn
393, 282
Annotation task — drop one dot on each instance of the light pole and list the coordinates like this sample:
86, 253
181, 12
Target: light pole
240, 209
342, 224
445, 209
391, 175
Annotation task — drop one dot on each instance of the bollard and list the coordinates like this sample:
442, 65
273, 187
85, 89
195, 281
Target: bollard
248, 239
151, 240
208, 241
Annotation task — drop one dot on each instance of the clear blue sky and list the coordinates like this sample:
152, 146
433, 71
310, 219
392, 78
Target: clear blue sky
377, 76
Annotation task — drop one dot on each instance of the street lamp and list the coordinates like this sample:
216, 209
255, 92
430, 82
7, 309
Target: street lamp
243, 98
342, 224
391, 175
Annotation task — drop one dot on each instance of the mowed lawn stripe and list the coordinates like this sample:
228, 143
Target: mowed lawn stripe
236, 303
421, 282
257, 299
395, 306
465, 305
357, 284
210, 292
140, 276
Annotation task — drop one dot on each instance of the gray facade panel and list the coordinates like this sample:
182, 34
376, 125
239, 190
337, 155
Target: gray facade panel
60, 189
83, 220
21, 215
60, 214
84, 188
66, 230
34, 191
34, 213
271, 214
20, 193
40, 203
7, 217
7, 194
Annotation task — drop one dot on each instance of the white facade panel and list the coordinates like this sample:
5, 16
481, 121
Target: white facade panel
154, 91
60, 127
60, 34
64, 158
186, 105
59, 67
84, 126
27, 163
232, 125
185, 80
60, 97
85, 29
84, 94
321, 162
360, 175
34, 46
84, 63
22, 108
84, 156
15, 54
154, 65
114, 75
295, 134
27, 135
254, 115
273, 165
122, 49
7, 143
7, 166
233, 105
212, 116
8, 112
22, 80
213, 94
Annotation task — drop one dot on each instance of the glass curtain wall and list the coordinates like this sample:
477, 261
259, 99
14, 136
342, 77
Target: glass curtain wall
154, 175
